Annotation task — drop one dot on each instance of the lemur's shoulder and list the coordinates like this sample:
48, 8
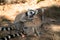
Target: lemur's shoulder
19, 17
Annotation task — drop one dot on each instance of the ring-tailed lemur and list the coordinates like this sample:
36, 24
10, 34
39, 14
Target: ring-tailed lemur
29, 23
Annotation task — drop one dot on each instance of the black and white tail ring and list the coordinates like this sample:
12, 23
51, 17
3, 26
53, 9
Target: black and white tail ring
11, 36
6, 28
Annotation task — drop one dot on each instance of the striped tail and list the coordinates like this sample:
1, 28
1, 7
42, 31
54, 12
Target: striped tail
6, 28
11, 36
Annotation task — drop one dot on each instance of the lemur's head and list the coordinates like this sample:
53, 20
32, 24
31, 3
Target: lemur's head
31, 13
26, 16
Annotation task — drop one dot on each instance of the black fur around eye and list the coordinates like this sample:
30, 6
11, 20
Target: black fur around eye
30, 13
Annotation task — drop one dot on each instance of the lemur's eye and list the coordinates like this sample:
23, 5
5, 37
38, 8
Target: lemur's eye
31, 13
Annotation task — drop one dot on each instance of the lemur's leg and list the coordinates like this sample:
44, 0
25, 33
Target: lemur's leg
37, 31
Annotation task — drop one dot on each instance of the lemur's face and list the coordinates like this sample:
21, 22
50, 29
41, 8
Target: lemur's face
31, 13
25, 16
